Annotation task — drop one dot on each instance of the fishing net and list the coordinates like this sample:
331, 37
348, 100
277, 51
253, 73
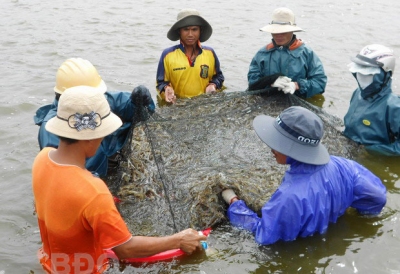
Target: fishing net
178, 161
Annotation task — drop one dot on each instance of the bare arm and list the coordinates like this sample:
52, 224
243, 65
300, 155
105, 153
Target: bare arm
140, 246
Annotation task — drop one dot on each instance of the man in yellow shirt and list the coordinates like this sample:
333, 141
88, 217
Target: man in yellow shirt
188, 69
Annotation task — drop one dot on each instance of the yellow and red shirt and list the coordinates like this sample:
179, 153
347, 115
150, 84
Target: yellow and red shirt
187, 78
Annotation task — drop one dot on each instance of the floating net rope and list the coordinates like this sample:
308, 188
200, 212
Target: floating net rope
178, 161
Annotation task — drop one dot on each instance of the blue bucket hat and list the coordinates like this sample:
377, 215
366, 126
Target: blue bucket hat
296, 132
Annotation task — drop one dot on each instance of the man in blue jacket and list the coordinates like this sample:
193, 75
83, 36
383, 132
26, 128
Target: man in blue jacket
301, 71
315, 191
130, 107
373, 116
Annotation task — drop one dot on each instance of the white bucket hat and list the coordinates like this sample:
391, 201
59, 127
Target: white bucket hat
190, 17
296, 132
83, 114
282, 21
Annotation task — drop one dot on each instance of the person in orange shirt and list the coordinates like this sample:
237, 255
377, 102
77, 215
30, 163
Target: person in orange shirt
77, 217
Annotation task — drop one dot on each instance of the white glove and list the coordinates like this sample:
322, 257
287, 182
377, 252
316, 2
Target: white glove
280, 82
228, 195
289, 87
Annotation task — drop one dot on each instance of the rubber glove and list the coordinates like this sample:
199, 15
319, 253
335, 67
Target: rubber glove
141, 97
289, 87
280, 82
228, 195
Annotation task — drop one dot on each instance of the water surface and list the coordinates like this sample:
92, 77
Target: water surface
124, 40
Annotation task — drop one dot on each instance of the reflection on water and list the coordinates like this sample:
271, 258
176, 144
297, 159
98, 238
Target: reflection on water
386, 168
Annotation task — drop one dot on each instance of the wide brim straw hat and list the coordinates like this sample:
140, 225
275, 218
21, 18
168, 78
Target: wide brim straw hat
296, 132
83, 114
190, 17
283, 20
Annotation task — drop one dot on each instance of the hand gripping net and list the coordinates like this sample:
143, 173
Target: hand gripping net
180, 159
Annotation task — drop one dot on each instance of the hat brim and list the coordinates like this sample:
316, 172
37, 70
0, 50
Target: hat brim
101, 87
191, 20
274, 28
265, 128
363, 69
60, 128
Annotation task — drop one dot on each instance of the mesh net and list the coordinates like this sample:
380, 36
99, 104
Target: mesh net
180, 159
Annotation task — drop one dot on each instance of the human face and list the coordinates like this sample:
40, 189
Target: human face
279, 157
282, 39
189, 35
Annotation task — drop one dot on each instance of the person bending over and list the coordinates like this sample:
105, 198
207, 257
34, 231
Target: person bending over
315, 191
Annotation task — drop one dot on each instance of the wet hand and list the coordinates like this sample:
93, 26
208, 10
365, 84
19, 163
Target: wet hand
169, 94
141, 96
211, 88
190, 240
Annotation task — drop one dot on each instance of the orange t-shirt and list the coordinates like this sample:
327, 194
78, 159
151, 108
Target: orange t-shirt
77, 217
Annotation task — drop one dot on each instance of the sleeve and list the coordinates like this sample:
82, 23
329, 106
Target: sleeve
369, 191
241, 216
45, 138
161, 72
392, 149
393, 128
265, 82
316, 79
121, 104
281, 218
108, 226
254, 74
218, 78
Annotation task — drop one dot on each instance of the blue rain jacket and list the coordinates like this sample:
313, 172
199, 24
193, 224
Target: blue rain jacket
309, 198
375, 121
297, 62
120, 104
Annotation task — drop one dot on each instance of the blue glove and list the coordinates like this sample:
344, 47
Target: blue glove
141, 97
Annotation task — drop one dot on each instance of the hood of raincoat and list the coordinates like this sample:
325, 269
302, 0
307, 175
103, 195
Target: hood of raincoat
379, 82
